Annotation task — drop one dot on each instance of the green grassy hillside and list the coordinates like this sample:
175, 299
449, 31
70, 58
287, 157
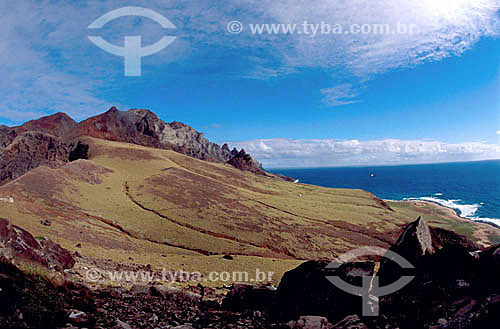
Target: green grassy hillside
158, 206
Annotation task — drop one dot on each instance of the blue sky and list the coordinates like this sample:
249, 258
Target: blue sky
291, 100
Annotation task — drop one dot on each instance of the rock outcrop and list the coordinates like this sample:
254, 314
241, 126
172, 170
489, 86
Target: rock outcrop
415, 241
453, 287
7, 136
58, 125
32, 300
350, 322
18, 245
245, 162
55, 140
30, 150
243, 297
306, 290
310, 322
143, 127
78, 150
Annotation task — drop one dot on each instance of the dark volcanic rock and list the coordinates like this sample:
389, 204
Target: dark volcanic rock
54, 140
33, 301
310, 322
442, 238
28, 151
452, 287
7, 135
143, 127
18, 245
78, 151
35, 143
450, 284
413, 244
245, 162
451, 253
248, 297
306, 290
415, 241
350, 322
56, 125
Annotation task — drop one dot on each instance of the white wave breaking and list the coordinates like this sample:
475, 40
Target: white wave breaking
494, 221
464, 210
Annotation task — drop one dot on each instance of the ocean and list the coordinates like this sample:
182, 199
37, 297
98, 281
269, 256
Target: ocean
472, 189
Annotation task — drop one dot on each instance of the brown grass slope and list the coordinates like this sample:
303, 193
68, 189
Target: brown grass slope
133, 201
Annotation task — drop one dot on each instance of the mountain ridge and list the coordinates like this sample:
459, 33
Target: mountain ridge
59, 133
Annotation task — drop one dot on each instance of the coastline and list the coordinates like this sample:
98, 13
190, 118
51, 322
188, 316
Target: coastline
469, 189
452, 211
484, 233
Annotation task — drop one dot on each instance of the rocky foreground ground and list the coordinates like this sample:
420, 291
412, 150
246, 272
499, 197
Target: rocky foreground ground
455, 286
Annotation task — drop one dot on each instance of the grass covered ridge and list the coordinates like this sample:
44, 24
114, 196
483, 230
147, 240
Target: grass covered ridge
162, 208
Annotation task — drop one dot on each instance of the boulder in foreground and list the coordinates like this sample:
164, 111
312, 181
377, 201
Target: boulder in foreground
452, 287
18, 245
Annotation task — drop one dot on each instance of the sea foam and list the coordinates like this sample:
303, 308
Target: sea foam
464, 210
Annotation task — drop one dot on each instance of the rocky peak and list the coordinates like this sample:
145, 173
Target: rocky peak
244, 161
54, 139
143, 127
179, 125
56, 124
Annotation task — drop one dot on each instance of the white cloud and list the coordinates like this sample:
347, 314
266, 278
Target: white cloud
34, 81
498, 132
48, 64
339, 95
330, 152
443, 28
263, 72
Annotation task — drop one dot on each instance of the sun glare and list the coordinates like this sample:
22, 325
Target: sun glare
447, 7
